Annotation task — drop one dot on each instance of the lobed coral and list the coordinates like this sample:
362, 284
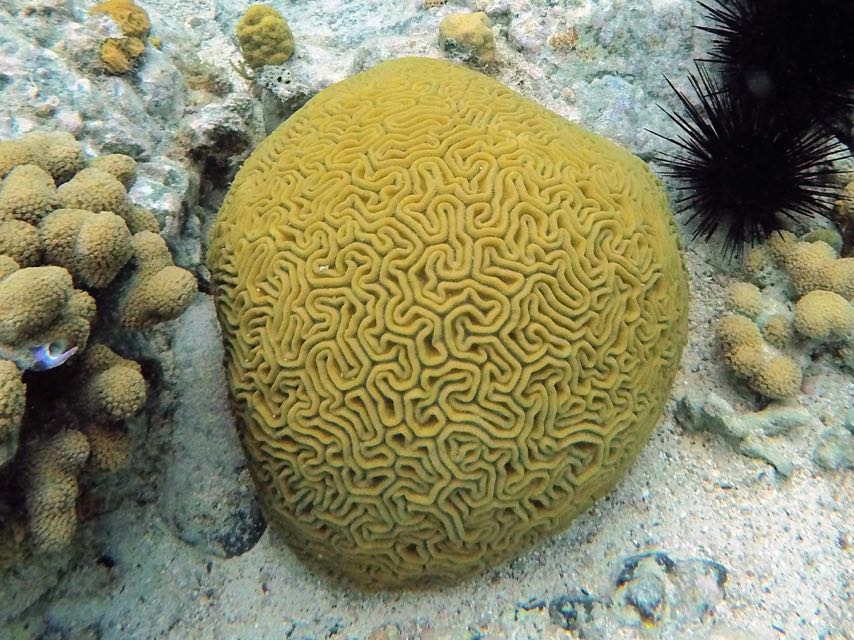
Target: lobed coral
159, 290
60, 249
56, 152
109, 388
93, 247
50, 470
767, 371
451, 320
805, 303
27, 194
12, 397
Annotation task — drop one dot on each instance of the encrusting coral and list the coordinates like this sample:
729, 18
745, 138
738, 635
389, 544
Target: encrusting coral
752, 434
805, 303
468, 36
120, 54
61, 249
449, 342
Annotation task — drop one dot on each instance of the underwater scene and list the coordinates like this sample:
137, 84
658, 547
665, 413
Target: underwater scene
427, 320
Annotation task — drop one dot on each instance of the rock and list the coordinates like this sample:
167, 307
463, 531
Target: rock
573, 610
385, 632
164, 186
207, 495
646, 595
762, 448
835, 449
748, 433
531, 604
653, 590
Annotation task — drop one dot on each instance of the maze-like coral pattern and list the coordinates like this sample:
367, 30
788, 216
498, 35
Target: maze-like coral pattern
451, 319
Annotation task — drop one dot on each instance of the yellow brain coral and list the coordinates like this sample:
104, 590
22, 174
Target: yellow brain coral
451, 319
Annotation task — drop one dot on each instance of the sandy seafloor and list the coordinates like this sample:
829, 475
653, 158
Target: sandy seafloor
786, 542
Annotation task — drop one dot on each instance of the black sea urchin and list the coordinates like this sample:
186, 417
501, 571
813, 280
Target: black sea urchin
743, 169
793, 56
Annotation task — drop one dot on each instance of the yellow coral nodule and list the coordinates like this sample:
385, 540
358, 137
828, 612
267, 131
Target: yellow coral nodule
264, 37
469, 34
745, 298
120, 54
824, 316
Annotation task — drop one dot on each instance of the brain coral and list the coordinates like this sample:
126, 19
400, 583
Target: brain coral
451, 319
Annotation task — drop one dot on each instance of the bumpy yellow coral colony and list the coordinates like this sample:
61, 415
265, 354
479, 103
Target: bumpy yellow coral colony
815, 308
451, 318
56, 245
264, 36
